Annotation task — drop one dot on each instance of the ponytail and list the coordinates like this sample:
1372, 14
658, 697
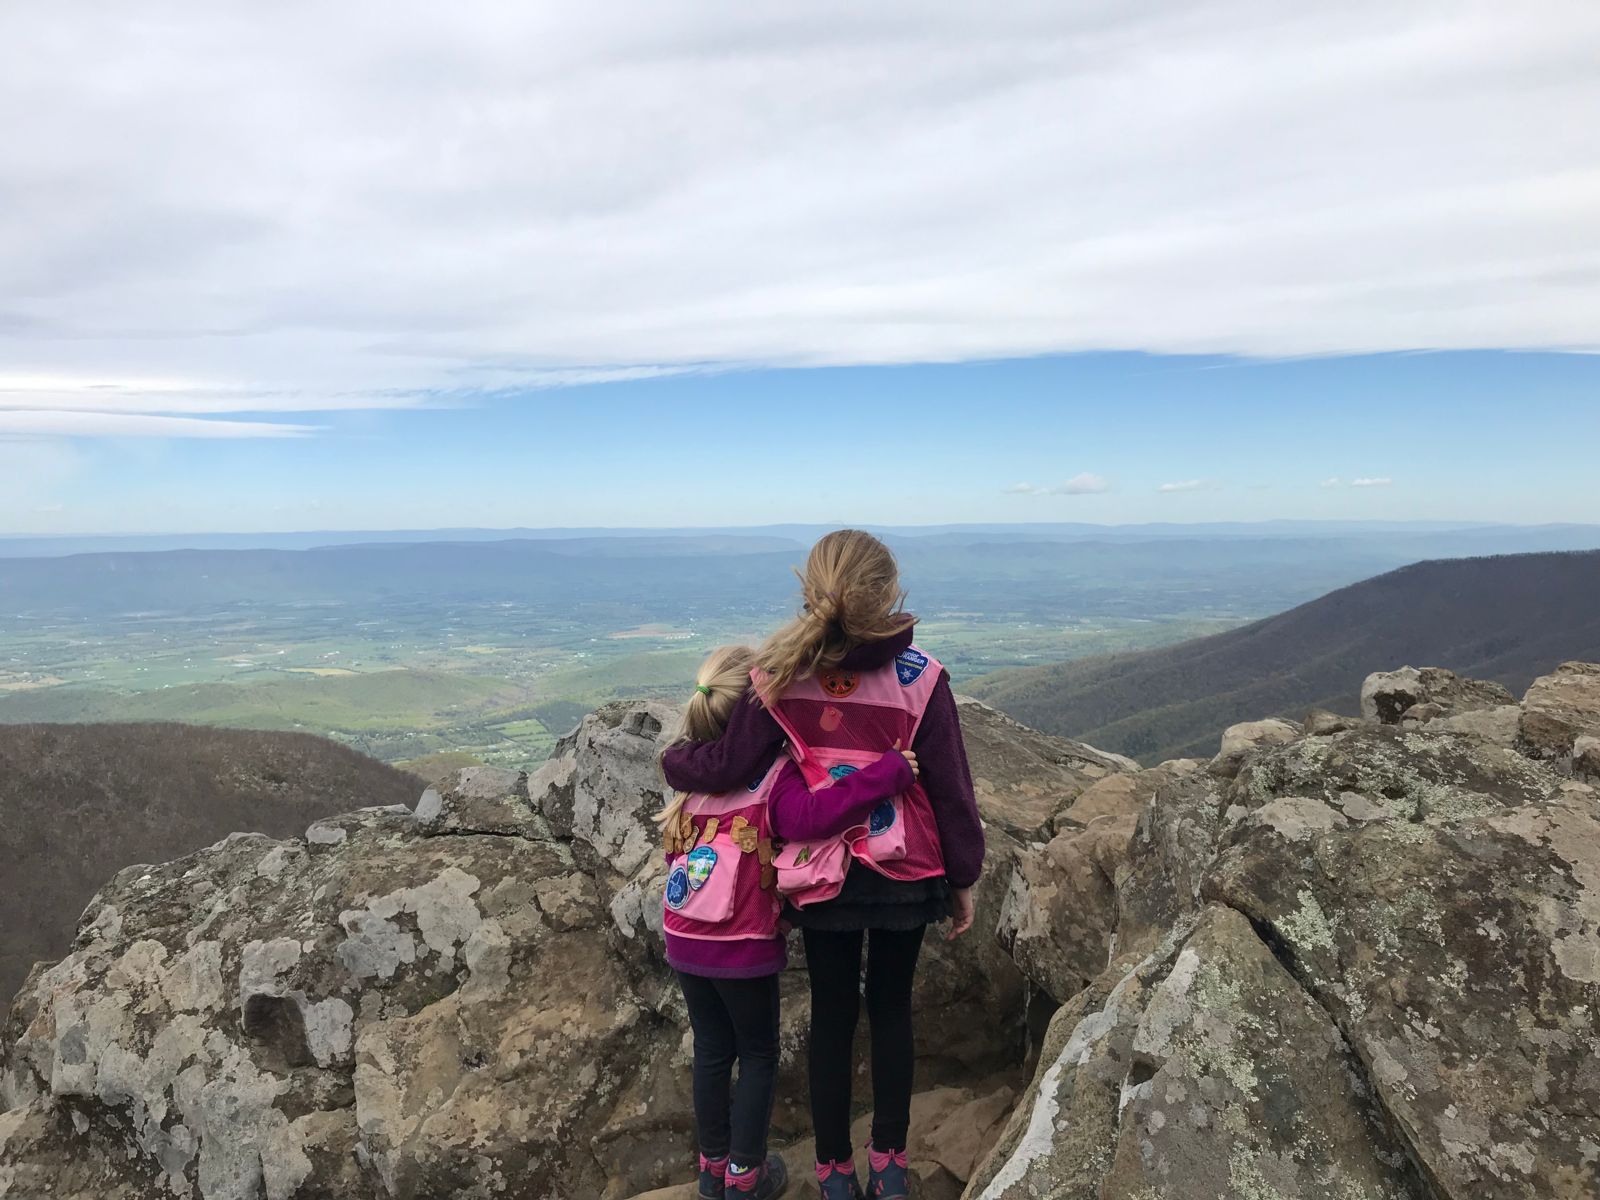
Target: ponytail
851, 587
718, 685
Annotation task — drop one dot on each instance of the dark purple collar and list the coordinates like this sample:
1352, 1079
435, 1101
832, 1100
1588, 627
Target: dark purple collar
869, 656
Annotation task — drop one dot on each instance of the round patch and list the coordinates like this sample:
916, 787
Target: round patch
701, 861
830, 719
677, 887
843, 769
839, 684
882, 819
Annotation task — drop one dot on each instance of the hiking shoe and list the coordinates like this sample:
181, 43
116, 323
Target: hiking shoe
766, 1182
838, 1180
711, 1173
888, 1179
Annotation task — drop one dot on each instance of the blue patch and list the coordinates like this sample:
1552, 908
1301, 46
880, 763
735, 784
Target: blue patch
882, 819
701, 861
677, 887
842, 770
909, 665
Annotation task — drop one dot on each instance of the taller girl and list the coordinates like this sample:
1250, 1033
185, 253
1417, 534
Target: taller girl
843, 680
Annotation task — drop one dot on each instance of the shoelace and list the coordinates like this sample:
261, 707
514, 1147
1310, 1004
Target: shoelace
880, 1159
827, 1170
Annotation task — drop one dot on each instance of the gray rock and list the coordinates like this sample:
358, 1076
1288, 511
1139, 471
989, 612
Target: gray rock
1560, 708
1241, 740
1320, 722
1387, 696
1498, 725
482, 800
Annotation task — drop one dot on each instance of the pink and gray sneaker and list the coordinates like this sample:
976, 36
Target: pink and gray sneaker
766, 1182
888, 1179
838, 1180
712, 1171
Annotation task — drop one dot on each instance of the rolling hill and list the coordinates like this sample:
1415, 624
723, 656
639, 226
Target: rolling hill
79, 802
1507, 618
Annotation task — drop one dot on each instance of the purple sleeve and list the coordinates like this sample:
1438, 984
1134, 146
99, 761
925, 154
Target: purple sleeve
801, 815
947, 779
741, 754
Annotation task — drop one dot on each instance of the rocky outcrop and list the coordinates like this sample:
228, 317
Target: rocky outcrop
468, 999
1421, 694
1561, 709
1366, 965
1059, 915
1242, 740
1358, 960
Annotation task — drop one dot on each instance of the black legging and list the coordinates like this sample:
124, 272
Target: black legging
833, 959
733, 1018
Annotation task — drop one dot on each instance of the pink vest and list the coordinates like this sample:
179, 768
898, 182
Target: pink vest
715, 890
837, 723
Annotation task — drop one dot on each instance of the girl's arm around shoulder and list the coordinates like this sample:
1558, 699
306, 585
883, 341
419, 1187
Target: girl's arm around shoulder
741, 754
948, 781
801, 815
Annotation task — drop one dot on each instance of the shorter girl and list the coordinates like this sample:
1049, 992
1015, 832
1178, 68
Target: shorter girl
722, 935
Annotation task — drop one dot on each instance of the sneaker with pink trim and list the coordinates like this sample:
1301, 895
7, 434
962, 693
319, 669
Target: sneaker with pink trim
889, 1178
838, 1180
711, 1172
766, 1182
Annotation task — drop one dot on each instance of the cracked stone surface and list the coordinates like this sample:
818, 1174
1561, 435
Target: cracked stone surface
1368, 965
467, 1000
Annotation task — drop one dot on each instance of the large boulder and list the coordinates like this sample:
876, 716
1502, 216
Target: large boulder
1366, 965
1390, 696
1559, 709
1060, 910
1241, 740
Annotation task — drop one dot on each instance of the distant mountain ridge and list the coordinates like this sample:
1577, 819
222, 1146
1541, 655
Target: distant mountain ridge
80, 802
1506, 618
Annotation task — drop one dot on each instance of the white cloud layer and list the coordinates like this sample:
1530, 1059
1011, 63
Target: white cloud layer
1190, 485
1079, 485
308, 207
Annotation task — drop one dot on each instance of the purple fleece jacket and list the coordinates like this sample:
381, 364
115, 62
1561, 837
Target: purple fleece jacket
745, 751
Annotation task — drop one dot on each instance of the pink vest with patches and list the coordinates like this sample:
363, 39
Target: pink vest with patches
714, 890
837, 723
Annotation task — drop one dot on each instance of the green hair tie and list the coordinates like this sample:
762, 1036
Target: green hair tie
702, 688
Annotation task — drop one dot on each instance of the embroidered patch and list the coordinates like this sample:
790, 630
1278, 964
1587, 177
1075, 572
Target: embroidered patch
745, 835
909, 665
702, 860
839, 684
882, 819
677, 887
843, 769
802, 856
830, 719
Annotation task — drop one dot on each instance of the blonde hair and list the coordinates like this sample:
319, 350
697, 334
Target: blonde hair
851, 587
718, 685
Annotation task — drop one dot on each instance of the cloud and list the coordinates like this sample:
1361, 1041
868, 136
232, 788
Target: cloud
25, 423
1332, 481
1079, 485
1379, 481
1191, 485
315, 207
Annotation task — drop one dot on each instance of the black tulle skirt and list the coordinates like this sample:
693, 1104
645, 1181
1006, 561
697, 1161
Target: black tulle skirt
868, 900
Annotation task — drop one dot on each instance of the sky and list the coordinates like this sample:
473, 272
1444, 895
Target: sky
405, 265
